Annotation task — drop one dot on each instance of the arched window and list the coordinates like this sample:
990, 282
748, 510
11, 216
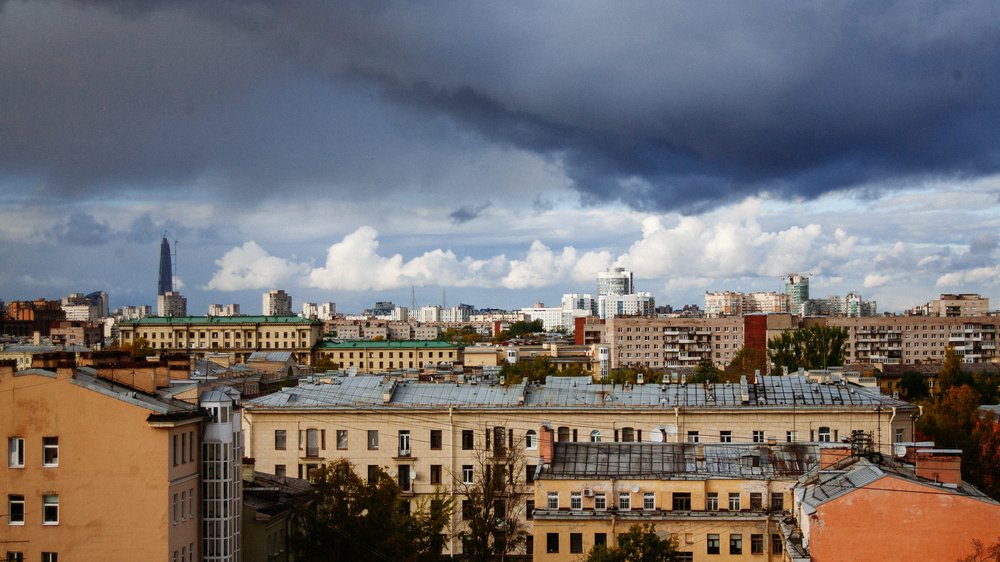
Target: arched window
595, 436
562, 434
628, 434
531, 440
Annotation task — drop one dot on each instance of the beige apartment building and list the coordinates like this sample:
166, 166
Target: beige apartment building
238, 336
717, 501
428, 434
908, 340
660, 343
388, 355
96, 470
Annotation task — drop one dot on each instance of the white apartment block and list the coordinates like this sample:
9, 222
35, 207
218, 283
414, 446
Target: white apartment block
224, 309
635, 304
320, 311
615, 281
171, 303
277, 303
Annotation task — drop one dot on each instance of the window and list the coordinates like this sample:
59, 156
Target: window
725, 437
576, 500
466, 474
789, 436
435, 439
531, 440
529, 509
756, 544
372, 439
15, 452
14, 556
600, 538
595, 436
552, 543
50, 451
735, 544
50, 557
15, 510
734, 501
50, 510
403, 477
899, 435
341, 439
184, 501
280, 470
600, 502
777, 544
466, 510
562, 434
824, 435
404, 443
576, 543
682, 501
628, 434
756, 501
693, 437
552, 500
758, 436
777, 501
713, 544
624, 501
468, 440
184, 448
175, 510
435, 474
649, 501
312, 442
712, 501
529, 473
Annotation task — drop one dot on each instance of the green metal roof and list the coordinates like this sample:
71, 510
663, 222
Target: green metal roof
220, 320
386, 344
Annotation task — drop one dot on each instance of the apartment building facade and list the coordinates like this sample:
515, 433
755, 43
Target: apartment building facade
908, 340
717, 501
96, 470
238, 336
428, 434
388, 355
662, 342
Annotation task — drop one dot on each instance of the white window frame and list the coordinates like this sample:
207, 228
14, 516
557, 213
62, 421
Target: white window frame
595, 436
48, 501
46, 447
552, 500
712, 501
531, 440
600, 502
823, 434
576, 500
624, 501
726, 436
758, 436
15, 452
693, 437
50, 557
735, 501
467, 474
649, 501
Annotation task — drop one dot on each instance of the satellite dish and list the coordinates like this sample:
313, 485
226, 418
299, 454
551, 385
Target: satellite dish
635, 488
900, 450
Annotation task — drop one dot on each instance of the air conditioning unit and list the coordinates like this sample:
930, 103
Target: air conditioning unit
588, 492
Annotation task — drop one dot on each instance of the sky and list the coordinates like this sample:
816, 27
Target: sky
498, 154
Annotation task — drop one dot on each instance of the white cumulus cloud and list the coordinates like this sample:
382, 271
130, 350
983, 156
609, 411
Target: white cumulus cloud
251, 267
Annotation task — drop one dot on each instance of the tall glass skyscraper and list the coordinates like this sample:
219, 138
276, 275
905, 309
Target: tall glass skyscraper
166, 271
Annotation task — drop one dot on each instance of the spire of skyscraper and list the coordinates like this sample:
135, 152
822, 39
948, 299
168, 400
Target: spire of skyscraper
166, 271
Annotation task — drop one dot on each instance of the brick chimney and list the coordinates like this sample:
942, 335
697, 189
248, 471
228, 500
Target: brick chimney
545, 439
940, 465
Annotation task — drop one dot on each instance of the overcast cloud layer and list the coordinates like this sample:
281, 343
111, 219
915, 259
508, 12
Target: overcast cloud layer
350, 150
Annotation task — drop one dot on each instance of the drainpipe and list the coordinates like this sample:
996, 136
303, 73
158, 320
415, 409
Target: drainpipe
451, 481
891, 434
677, 424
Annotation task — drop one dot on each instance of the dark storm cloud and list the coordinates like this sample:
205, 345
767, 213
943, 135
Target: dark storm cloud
662, 106
468, 212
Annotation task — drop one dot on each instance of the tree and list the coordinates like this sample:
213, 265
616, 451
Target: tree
815, 347
639, 544
983, 552
525, 328
951, 374
466, 335
350, 519
705, 371
913, 386
323, 364
138, 349
747, 361
494, 498
534, 370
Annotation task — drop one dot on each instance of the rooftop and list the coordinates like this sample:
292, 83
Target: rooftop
677, 461
219, 320
370, 391
386, 344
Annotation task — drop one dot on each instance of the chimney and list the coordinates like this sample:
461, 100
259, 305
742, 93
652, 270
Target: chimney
940, 465
545, 448
248, 468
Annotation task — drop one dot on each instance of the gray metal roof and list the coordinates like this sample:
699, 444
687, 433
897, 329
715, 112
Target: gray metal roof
679, 460
273, 356
159, 404
787, 392
834, 484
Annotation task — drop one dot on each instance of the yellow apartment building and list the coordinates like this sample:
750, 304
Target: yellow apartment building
718, 501
237, 335
96, 470
388, 355
427, 434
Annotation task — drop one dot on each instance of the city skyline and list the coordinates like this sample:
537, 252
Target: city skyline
346, 154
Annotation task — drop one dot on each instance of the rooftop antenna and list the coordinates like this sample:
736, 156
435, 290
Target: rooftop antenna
444, 300
413, 298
